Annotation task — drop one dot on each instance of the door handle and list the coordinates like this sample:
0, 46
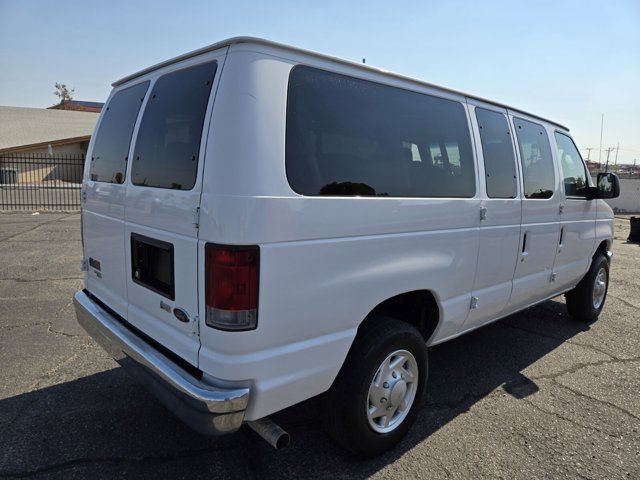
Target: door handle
524, 252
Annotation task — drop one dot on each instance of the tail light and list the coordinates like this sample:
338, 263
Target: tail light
231, 285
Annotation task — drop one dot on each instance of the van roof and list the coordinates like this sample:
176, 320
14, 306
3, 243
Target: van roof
260, 41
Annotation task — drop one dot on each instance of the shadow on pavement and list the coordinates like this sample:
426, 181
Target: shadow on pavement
105, 425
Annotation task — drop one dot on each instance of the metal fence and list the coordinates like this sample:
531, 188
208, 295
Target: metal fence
40, 182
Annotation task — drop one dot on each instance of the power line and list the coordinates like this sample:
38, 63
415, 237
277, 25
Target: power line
606, 167
588, 149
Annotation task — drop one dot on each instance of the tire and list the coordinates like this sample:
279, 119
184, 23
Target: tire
586, 300
349, 400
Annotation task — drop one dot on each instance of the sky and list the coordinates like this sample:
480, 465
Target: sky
568, 60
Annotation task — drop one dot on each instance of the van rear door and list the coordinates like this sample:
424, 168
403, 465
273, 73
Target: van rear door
162, 204
103, 196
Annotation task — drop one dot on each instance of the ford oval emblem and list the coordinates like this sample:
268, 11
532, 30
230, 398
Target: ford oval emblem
181, 315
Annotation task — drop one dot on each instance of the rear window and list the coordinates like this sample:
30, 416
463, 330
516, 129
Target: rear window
347, 136
535, 156
168, 143
111, 147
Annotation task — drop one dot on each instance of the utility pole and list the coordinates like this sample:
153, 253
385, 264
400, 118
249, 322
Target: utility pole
606, 168
588, 149
616, 160
601, 128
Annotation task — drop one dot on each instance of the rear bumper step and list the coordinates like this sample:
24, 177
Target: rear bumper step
207, 409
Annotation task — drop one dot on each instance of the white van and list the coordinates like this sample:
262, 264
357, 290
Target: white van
262, 224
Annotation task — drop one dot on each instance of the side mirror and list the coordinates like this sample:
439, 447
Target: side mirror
608, 185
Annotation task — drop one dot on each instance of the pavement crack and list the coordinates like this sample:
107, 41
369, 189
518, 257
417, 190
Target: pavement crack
26, 325
83, 348
471, 398
441, 465
567, 419
579, 366
564, 340
34, 228
626, 302
598, 400
116, 460
462, 402
29, 280
34, 385
50, 328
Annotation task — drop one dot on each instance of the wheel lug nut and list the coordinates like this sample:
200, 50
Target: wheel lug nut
394, 375
385, 384
383, 400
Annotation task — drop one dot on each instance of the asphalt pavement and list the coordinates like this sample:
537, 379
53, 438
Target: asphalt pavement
536, 395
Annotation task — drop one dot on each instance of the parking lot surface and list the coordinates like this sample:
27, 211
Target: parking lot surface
536, 395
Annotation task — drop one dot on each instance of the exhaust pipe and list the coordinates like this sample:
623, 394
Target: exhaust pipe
272, 433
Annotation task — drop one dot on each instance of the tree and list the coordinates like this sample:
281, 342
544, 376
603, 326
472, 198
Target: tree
63, 92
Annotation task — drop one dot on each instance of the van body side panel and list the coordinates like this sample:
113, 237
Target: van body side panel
326, 262
539, 235
317, 292
604, 224
578, 223
499, 233
578, 229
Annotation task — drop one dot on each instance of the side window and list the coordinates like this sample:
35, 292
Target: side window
536, 159
497, 150
348, 136
168, 144
573, 170
109, 155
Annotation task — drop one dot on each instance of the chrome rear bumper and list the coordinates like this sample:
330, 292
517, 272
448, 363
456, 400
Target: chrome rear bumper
205, 408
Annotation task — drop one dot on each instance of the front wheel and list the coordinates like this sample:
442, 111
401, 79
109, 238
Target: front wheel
586, 300
376, 397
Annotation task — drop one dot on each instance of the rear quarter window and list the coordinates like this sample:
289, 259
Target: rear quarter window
111, 147
348, 136
497, 149
168, 143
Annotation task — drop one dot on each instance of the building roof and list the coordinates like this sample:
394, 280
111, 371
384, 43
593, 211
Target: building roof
79, 105
84, 103
22, 127
261, 41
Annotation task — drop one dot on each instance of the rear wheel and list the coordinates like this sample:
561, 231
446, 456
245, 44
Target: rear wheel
376, 397
586, 300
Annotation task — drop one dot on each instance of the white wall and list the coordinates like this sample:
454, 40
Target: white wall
629, 199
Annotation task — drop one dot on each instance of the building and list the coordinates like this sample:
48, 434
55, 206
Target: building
38, 145
78, 106
45, 131
594, 167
